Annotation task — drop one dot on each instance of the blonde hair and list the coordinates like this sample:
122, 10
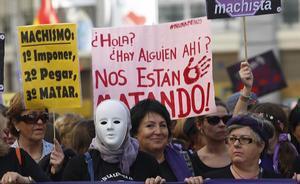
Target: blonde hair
16, 107
65, 124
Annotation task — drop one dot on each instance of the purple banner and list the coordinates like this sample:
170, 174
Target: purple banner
216, 181
238, 8
268, 76
2, 40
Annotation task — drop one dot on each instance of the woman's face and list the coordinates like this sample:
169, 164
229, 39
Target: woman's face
153, 133
243, 147
214, 125
32, 124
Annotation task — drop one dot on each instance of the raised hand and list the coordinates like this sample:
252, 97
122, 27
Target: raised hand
56, 158
246, 75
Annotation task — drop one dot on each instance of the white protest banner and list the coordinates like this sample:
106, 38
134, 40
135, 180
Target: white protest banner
169, 62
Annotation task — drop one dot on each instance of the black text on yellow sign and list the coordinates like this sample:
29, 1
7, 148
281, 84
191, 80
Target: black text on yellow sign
50, 66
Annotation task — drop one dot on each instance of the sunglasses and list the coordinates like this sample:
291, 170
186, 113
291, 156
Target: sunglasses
214, 120
33, 118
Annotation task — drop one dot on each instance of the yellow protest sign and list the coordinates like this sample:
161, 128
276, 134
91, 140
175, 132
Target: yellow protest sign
50, 66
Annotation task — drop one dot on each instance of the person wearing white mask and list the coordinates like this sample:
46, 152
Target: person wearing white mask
114, 153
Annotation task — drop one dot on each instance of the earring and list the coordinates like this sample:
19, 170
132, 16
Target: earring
18, 130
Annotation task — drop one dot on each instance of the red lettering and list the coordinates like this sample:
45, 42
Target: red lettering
101, 98
181, 92
103, 79
151, 96
136, 96
122, 77
194, 102
124, 100
168, 101
140, 76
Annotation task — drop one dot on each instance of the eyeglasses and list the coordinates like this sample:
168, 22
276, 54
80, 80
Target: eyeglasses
33, 118
242, 140
214, 120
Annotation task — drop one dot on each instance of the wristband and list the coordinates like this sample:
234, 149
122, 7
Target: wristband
244, 98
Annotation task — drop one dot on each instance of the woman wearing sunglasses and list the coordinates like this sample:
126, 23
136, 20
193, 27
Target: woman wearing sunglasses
247, 140
213, 155
16, 166
29, 127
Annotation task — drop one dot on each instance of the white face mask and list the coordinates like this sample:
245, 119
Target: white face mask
111, 123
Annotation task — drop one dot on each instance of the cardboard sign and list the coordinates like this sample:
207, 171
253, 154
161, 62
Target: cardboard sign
171, 63
238, 8
2, 41
268, 76
50, 66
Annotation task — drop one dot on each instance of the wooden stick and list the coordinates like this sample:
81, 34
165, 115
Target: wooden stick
53, 126
245, 39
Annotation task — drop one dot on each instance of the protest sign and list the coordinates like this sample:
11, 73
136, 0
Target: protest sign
2, 41
50, 66
171, 63
268, 76
238, 8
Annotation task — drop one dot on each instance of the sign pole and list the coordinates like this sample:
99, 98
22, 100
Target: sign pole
53, 126
245, 39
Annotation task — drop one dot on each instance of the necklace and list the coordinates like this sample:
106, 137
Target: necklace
241, 177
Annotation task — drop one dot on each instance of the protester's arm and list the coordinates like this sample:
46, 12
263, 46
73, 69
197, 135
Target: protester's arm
247, 79
56, 158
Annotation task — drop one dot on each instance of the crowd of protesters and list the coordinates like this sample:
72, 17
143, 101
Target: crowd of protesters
243, 139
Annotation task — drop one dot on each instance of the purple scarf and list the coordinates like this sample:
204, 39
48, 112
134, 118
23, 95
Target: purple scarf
125, 155
177, 164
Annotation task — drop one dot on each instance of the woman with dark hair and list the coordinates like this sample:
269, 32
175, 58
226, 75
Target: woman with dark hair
213, 156
294, 126
281, 154
113, 154
151, 124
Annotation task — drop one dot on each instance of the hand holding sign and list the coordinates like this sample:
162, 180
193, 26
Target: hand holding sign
200, 69
246, 75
